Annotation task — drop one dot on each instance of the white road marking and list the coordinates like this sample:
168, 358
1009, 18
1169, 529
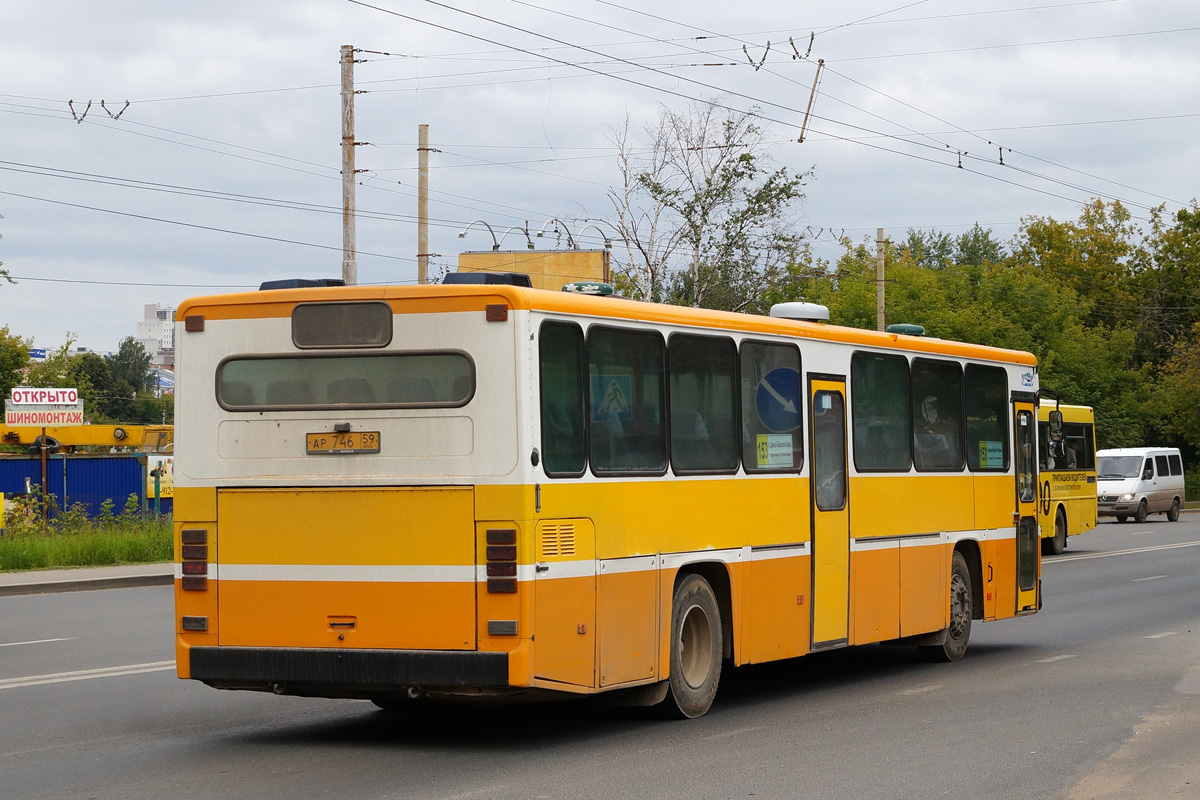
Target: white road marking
920, 690
1052, 659
1063, 559
35, 641
86, 674
1163, 635
1151, 578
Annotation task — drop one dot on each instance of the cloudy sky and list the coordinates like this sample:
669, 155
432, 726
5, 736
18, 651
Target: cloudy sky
224, 168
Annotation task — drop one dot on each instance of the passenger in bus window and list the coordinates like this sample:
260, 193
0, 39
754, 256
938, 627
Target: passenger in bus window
934, 447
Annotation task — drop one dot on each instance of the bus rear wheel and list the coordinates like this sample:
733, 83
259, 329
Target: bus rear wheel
961, 611
696, 648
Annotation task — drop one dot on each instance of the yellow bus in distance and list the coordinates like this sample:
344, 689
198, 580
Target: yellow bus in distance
1067, 485
390, 493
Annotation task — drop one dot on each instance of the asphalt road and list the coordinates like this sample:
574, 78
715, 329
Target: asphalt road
1096, 696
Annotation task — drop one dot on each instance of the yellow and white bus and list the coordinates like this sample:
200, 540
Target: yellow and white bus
1067, 484
393, 492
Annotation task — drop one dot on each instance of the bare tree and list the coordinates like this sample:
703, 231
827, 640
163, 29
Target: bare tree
705, 219
649, 243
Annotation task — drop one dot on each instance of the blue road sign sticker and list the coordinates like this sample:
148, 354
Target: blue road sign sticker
612, 397
777, 400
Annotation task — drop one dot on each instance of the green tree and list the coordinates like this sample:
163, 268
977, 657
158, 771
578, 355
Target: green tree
1097, 257
90, 374
55, 370
929, 249
130, 364
1169, 286
977, 247
1179, 390
14, 358
1004, 302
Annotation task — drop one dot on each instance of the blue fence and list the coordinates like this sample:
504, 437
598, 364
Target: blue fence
81, 478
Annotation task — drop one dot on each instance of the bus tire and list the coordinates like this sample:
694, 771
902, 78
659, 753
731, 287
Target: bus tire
696, 649
1059, 541
1173, 512
959, 631
1121, 517
1139, 516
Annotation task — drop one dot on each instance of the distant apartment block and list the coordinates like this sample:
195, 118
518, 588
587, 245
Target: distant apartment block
157, 334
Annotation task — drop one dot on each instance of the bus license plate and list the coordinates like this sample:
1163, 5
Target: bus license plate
332, 444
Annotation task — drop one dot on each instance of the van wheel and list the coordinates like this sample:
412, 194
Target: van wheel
1173, 512
959, 632
1140, 515
1121, 517
696, 649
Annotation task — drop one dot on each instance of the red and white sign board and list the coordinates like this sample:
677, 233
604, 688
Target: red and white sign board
43, 407
23, 396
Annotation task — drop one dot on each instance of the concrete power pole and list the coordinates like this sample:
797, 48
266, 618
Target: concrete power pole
349, 244
879, 279
422, 204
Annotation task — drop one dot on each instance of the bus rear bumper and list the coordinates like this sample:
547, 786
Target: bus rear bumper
318, 672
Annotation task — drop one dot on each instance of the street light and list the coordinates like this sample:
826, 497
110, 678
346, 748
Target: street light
570, 240
607, 241
463, 233
524, 230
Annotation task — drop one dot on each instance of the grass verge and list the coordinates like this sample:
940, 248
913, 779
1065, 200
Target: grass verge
71, 539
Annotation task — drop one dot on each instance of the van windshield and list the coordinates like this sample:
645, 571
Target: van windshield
1119, 466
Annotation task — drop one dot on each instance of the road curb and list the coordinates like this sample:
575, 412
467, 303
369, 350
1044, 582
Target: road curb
85, 584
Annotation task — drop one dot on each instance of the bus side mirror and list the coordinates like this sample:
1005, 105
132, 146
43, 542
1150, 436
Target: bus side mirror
1056, 426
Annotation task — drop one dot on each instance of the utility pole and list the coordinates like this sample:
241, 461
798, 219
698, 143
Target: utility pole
422, 204
879, 279
349, 243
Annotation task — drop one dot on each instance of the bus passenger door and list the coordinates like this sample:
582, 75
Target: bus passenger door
1026, 516
831, 516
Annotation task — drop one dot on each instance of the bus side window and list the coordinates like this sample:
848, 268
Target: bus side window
626, 383
703, 371
772, 408
1148, 469
987, 419
880, 412
560, 355
937, 415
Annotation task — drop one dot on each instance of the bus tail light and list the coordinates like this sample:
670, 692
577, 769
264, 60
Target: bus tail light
193, 553
502, 561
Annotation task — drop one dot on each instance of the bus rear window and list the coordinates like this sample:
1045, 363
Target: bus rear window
342, 325
382, 380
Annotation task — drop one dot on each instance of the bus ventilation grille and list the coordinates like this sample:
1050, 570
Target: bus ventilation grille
558, 539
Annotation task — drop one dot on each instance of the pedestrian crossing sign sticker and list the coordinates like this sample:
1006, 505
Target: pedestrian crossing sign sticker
612, 397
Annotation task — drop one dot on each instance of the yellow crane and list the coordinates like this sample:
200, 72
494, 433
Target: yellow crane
146, 438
